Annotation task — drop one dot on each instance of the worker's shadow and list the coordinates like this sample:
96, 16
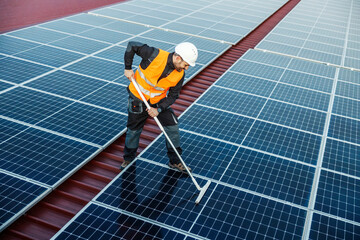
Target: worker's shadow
151, 207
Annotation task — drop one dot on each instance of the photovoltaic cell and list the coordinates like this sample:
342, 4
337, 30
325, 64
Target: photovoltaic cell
164, 36
232, 214
67, 84
12, 70
232, 101
66, 26
51, 56
156, 193
324, 227
115, 53
348, 90
79, 44
42, 156
294, 116
86, 122
111, 96
15, 196
346, 107
37, 34
271, 176
105, 35
342, 157
215, 123
344, 129
89, 19
284, 142
207, 157
320, 56
30, 106
98, 222
301, 96
10, 45
125, 27
257, 70
312, 68
246, 83
307, 81
339, 196
100, 68
267, 58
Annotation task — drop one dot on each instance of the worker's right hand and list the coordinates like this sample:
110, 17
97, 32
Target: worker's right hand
129, 74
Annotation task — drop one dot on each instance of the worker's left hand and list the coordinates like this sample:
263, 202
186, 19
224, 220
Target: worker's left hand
153, 112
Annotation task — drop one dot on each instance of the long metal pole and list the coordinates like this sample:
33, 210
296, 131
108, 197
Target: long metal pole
167, 137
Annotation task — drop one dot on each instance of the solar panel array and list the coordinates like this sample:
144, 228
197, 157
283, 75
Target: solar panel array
325, 31
63, 97
226, 21
267, 144
276, 135
278, 138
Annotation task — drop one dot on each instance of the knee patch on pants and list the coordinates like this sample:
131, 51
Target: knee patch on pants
132, 138
173, 134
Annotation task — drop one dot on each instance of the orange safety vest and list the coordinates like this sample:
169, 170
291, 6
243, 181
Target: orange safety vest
147, 79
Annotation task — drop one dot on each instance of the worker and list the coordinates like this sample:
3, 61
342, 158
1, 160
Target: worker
160, 77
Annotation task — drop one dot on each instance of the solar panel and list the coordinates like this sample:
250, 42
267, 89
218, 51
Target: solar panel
99, 222
85, 122
38, 34
331, 191
208, 156
50, 56
11, 45
16, 196
325, 227
12, 70
42, 156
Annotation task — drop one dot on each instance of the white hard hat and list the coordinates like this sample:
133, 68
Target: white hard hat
188, 52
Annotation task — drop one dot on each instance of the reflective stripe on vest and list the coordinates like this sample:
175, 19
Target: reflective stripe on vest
147, 92
148, 82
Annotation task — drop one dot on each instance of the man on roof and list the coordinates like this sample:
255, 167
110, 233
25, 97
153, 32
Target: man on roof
160, 77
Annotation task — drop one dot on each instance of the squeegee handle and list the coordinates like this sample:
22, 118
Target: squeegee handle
166, 136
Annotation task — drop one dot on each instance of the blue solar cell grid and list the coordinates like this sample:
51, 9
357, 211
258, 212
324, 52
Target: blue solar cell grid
339, 196
98, 222
42, 156
262, 133
16, 196
324, 227
72, 100
12, 70
211, 21
321, 32
162, 195
200, 152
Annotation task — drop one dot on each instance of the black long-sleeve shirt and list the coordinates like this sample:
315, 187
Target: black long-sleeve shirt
148, 54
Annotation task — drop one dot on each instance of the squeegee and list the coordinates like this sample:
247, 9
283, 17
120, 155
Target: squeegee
201, 189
